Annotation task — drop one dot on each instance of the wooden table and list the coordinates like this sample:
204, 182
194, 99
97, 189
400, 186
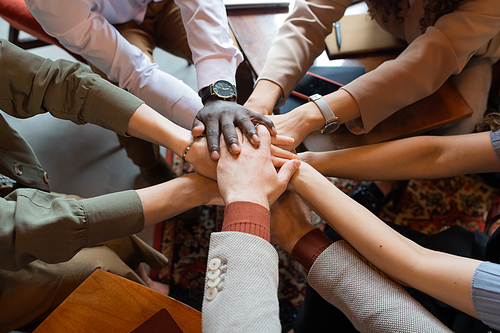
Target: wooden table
105, 302
255, 30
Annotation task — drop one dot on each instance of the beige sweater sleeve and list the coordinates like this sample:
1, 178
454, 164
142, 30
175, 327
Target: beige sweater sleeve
300, 40
371, 301
444, 49
428, 61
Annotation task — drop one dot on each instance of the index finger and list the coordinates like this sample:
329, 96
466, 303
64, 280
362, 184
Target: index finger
263, 120
265, 137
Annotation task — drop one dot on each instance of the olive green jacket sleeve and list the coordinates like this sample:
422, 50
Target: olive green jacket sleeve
35, 224
31, 85
40, 225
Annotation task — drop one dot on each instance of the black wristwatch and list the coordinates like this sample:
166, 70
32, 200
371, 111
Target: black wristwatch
221, 89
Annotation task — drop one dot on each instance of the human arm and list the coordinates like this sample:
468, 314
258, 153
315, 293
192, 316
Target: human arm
300, 40
31, 85
396, 256
242, 264
430, 58
421, 157
87, 31
420, 70
52, 228
216, 58
340, 275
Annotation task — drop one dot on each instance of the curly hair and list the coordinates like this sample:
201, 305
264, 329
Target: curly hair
434, 9
490, 122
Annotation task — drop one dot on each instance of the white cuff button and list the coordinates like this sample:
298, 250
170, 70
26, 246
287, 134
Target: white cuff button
213, 283
212, 275
211, 293
214, 264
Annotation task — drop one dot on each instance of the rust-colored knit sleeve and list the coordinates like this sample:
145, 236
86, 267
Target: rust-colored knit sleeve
309, 247
248, 217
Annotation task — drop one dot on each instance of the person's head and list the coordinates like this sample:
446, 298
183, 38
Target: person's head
434, 9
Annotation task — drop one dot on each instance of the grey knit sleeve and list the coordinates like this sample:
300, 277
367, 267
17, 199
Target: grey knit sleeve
371, 301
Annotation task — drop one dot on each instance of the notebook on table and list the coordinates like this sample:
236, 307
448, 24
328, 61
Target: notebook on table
342, 75
360, 34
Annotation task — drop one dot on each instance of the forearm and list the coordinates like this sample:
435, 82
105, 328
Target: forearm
214, 54
307, 118
52, 228
412, 158
340, 275
300, 40
264, 97
149, 125
169, 199
31, 85
392, 253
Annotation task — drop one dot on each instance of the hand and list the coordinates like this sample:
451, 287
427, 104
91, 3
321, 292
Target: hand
198, 156
251, 176
293, 125
219, 115
279, 155
290, 220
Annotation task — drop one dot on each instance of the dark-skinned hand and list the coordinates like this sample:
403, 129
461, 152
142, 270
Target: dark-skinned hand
224, 116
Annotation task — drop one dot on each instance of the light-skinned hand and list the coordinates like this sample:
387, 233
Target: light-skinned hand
250, 175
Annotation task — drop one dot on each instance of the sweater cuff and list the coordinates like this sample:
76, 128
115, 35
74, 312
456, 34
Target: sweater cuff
309, 247
247, 217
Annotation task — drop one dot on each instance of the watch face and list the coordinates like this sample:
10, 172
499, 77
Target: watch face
330, 128
223, 89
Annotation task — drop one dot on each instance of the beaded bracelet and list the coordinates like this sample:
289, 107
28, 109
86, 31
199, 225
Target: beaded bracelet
189, 147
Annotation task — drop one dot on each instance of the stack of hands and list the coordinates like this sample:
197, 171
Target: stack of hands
259, 173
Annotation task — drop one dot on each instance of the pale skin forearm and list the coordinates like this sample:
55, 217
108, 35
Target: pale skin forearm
413, 158
304, 119
264, 97
163, 201
149, 125
445, 277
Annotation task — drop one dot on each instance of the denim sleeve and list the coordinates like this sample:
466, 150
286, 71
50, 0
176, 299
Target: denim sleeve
485, 293
495, 142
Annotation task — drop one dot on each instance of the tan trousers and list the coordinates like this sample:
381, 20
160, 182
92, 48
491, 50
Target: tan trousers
162, 27
29, 295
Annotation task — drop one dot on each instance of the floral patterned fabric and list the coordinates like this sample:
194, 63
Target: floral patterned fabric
427, 206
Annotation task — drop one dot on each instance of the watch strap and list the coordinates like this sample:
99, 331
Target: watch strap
205, 93
325, 109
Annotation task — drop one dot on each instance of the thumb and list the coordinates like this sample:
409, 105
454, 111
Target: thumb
287, 170
198, 128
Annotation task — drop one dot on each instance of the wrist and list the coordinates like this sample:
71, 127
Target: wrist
183, 140
309, 117
264, 97
255, 198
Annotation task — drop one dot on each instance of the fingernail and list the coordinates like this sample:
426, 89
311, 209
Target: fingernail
215, 155
234, 148
255, 139
274, 130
